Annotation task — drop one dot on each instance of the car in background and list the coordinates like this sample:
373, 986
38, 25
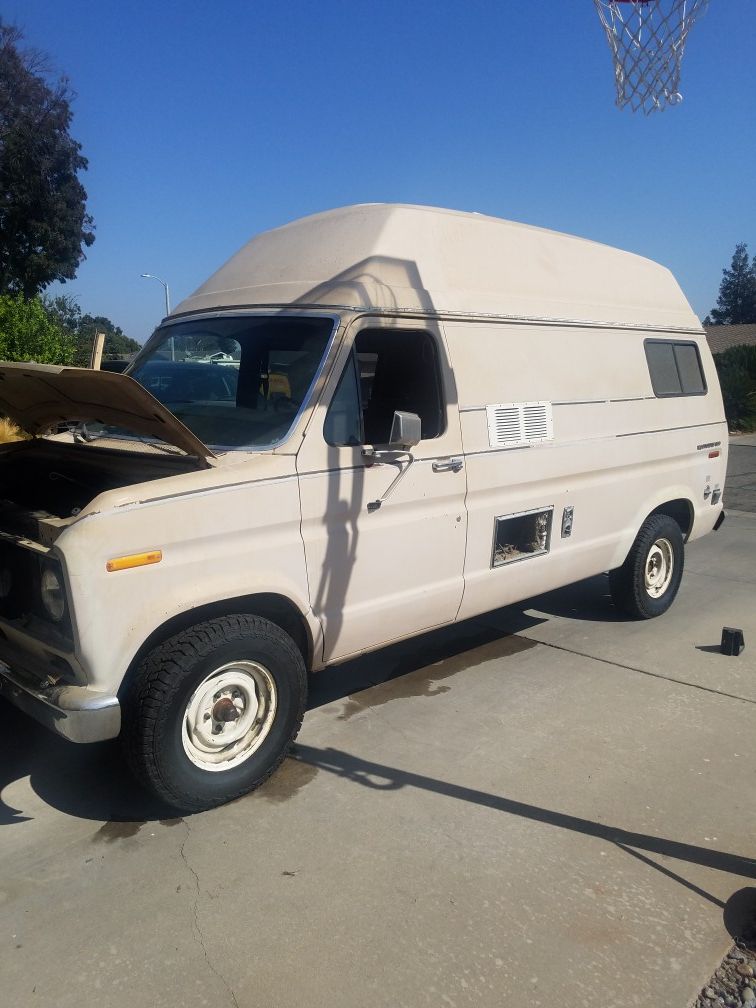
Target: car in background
187, 381
115, 365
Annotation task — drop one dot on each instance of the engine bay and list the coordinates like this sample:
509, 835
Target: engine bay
46, 483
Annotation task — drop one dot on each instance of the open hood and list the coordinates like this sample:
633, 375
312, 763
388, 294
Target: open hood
39, 396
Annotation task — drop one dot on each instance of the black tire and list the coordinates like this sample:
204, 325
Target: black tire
154, 733
659, 537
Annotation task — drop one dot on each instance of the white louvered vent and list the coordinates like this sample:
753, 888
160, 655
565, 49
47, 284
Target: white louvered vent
512, 424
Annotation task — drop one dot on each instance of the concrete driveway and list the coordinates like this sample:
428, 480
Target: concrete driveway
546, 806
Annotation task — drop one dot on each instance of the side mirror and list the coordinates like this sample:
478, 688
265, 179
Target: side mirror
406, 431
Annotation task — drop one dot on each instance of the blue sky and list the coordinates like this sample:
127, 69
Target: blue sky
205, 123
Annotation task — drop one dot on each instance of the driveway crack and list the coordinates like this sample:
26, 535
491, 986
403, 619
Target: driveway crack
646, 672
196, 929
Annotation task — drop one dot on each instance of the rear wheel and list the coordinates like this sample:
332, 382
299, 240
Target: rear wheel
213, 711
646, 584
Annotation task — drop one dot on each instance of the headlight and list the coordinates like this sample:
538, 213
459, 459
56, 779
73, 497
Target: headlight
53, 594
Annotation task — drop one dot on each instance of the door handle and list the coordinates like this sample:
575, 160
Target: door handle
448, 465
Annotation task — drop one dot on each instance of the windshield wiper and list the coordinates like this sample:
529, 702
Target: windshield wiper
82, 435
80, 432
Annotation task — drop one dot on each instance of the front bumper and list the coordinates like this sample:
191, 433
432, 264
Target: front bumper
77, 713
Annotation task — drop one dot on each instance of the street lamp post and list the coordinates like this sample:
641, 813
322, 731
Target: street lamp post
151, 276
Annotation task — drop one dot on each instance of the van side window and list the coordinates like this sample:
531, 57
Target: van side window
397, 370
343, 423
675, 368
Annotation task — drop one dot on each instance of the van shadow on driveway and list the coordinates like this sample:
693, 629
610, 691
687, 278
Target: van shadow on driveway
92, 782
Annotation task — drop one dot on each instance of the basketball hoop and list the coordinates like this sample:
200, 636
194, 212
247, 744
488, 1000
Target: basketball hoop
647, 39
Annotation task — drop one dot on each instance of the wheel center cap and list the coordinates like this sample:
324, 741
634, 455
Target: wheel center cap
224, 710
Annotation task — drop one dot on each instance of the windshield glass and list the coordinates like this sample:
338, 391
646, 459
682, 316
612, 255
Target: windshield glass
235, 382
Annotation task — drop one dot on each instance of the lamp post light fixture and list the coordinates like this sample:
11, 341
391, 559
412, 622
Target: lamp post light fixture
151, 276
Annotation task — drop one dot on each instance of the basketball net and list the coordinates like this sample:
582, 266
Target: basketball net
647, 39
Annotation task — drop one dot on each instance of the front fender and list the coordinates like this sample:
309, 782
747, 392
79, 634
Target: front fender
231, 542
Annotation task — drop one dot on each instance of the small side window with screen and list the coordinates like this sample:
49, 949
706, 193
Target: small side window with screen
675, 368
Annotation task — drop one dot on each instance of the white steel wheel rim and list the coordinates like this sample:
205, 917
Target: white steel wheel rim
660, 564
229, 715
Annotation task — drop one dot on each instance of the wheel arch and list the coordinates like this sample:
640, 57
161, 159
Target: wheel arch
675, 506
272, 606
680, 510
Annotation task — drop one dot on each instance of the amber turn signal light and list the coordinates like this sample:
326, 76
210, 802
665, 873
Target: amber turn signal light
134, 560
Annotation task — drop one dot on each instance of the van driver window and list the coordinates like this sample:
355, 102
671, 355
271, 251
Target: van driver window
388, 370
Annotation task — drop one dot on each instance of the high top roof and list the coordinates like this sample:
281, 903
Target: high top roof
416, 258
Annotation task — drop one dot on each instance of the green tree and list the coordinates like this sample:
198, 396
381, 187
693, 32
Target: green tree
117, 343
44, 225
64, 309
67, 313
736, 304
737, 376
29, 333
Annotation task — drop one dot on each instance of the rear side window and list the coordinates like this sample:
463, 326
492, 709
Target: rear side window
675, 368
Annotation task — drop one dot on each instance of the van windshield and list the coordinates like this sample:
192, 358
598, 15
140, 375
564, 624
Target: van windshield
235, 382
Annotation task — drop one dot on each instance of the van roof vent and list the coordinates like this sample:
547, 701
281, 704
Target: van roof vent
511, 424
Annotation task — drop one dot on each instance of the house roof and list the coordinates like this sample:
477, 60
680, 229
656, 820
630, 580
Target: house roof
422, 259
723, 337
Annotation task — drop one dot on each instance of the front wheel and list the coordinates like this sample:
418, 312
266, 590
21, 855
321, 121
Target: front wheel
213, 711
646, 584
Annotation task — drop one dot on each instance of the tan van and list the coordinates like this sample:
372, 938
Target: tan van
368, 423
